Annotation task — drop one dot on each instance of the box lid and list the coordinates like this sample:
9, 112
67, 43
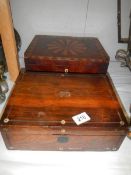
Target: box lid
56, 53
52, 99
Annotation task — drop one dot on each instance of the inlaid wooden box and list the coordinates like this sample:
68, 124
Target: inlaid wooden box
39, 113
66, 54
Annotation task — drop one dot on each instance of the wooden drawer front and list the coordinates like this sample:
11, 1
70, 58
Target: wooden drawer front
61, 142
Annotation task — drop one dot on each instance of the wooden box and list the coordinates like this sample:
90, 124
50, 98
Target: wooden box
39, 113
66, 54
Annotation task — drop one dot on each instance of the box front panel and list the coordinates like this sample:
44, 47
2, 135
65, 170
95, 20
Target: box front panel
39, 141
76, 66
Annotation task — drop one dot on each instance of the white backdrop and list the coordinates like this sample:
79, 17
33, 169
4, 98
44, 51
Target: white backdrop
71, 17
68, 17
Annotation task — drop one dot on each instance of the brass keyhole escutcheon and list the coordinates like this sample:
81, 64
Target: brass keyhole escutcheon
62, 139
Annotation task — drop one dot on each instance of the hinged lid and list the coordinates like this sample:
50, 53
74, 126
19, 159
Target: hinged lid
48, 99
60, 53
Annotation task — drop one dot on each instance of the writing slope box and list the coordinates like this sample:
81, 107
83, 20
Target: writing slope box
66, 54
39, 113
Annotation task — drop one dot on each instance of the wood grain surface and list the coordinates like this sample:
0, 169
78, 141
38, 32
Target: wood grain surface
41, 101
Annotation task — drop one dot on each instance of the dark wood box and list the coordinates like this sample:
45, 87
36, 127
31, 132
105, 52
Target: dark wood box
39, 113
66, 54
